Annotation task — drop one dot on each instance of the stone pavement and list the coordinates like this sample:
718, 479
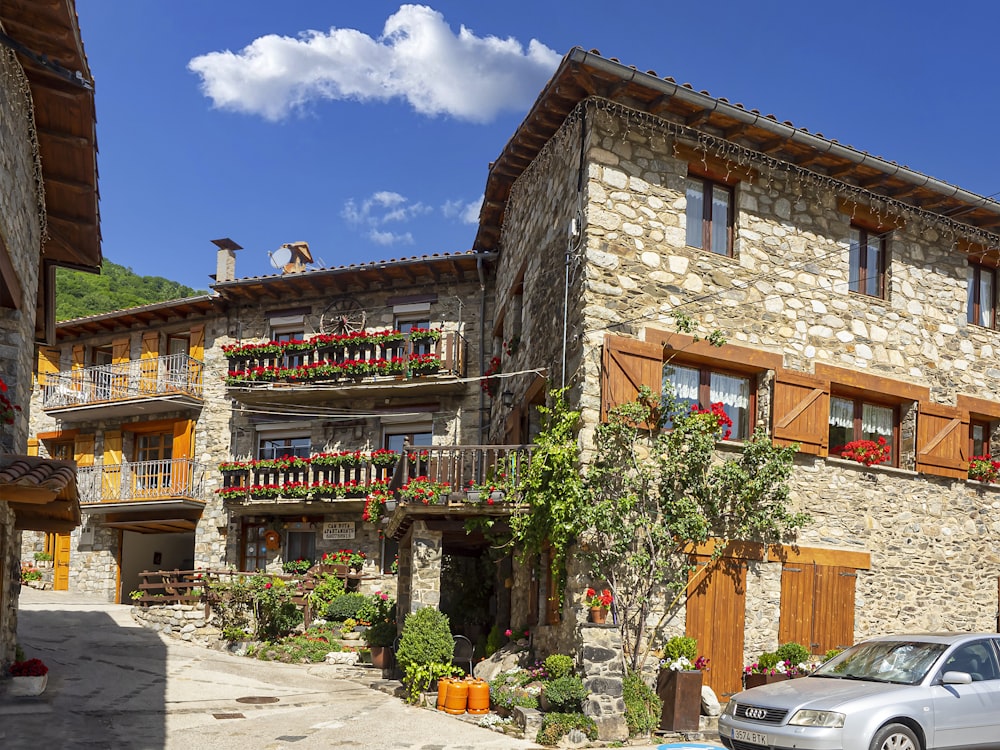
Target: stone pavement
113, 684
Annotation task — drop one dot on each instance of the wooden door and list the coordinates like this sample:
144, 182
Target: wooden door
60, 562
716, 613
817, 606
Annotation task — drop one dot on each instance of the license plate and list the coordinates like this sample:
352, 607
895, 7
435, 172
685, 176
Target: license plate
757, 738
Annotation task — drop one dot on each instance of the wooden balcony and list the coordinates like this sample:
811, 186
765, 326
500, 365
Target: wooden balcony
144, 386
324, 370
172, 484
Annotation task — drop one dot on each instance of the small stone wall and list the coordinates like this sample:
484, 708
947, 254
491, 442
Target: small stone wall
182, 621
600, 662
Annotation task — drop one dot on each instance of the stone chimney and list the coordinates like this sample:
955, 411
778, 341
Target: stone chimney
225, 264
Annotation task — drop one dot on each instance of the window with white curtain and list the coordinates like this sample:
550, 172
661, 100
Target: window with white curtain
704, 387
856, 419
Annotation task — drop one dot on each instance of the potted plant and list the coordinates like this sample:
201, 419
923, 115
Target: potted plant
598, 604
984, 469
28, 678
867, 452
787, 661
380, 637
678, 684
424, 490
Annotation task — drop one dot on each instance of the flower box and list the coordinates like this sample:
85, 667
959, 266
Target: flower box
680, 691
757, 679
27, 687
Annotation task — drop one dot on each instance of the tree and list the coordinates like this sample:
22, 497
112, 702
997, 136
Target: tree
652, 493
80, 294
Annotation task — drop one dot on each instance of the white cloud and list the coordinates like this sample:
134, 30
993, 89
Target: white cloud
383, 207
390, 238
417, 58
467, 213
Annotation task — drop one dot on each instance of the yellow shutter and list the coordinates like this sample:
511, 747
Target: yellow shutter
48, 363
183, 439
120, 350
32, 446
83, 450
197, 346
149, 366
111, 472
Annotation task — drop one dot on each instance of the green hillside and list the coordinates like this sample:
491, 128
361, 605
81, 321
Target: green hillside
116, 288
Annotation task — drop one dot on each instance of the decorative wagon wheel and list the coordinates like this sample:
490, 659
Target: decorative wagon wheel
343, 315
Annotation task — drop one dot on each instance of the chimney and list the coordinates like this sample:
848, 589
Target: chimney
225, 264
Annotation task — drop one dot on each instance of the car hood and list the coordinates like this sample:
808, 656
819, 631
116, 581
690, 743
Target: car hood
817, 692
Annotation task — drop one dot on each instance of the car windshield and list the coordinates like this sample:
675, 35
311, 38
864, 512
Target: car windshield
903, 662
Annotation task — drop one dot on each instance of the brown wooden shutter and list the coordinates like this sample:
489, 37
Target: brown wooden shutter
802, 411
833, 623
942, 440
120, 350
715, 617
795, 622
628, 364
48, 363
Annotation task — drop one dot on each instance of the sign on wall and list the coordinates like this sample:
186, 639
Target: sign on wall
338, 530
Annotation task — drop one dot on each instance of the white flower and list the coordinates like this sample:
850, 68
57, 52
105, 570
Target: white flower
680, 664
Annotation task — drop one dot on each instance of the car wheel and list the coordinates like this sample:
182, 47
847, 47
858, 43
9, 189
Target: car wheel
895, 737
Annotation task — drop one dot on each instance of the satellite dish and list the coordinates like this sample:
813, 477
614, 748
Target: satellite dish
280, 257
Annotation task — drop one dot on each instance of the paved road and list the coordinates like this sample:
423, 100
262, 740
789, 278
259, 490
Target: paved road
113, 684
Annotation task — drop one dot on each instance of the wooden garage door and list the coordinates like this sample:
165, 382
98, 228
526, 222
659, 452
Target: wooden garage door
817, 606
716, 610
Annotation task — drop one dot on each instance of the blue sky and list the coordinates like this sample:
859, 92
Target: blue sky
366, 129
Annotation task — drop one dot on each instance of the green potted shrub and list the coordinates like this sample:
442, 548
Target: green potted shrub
426, 649
380, 637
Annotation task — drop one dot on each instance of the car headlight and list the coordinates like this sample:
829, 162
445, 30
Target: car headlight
807, 718
730, 709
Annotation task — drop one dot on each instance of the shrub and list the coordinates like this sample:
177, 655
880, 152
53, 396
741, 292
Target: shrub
768, 660
425, 650
680, 646
558, 665
642, 705
495, 641
793, 653
368, 612
43, 557
345, 606
326, 589
308, 648
380, 634
831, 653
297, 567
566, 694
555, 726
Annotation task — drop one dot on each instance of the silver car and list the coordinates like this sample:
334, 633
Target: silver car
908, 692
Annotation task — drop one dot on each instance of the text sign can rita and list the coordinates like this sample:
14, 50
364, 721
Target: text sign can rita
338, 530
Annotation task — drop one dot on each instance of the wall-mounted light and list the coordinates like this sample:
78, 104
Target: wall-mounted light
507, 399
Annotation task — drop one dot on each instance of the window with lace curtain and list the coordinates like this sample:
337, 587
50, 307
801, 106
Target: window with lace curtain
702, 387
856, 419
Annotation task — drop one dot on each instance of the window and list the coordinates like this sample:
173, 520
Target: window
405, 326
271, 447
253, 551
709, 216
982, 296
153, 453
867, 262
395, 441
979, 438
704, 387
854, 419
300, 545
977, 659
103, 355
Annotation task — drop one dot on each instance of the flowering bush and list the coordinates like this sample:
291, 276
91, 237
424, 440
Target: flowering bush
31, 574
782, 667
867, 452
491, 383
684, 664
8, 409
342, 458
984, 469
375, 505
29, 668
718, 411
355, 559
299, 566
603, 599
384, 457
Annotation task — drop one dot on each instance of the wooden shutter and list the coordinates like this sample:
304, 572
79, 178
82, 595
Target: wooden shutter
716, 612
795, 621
802, 411
833, 624
48, 363
628, 364
149, 364
83, 450
32, 446
183, 439
197, 346
111, 472
78, 356
120, 350
942, 440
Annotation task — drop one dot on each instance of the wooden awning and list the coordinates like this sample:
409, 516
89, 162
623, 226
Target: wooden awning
41, 491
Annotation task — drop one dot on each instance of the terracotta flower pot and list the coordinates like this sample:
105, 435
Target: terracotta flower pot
598, 615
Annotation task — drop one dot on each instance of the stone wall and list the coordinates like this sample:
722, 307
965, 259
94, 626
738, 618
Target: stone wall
184, 622
599, 660
21, 224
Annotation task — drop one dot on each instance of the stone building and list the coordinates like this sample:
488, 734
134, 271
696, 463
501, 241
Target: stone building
48, 191
249, 428
858, 298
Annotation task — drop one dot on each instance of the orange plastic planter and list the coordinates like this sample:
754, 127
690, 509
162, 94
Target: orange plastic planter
458, 695
479, 697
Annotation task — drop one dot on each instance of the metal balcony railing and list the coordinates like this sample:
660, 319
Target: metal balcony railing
169, 479
156, 376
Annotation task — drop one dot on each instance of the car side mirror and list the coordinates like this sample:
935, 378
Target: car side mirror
956, 678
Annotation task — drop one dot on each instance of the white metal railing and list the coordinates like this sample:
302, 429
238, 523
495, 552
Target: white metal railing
141, 480
156, 376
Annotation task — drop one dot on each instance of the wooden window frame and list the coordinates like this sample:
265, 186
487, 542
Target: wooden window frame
987, 429
707, 186
975, 304
705, 373
857, 279
859, 402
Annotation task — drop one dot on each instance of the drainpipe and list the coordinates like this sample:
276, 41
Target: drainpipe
482, 346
